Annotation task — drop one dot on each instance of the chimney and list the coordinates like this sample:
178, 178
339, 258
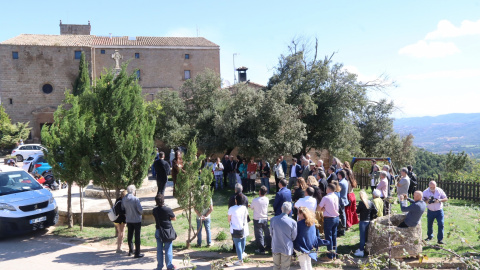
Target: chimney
75, 29
242, 74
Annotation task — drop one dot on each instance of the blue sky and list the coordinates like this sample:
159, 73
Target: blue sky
429, 48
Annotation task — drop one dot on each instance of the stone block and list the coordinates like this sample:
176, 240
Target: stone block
404, 242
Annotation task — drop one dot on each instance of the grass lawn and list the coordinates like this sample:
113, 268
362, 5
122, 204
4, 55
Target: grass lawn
461, 221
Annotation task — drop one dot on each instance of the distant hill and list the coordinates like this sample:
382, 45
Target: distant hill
440, 134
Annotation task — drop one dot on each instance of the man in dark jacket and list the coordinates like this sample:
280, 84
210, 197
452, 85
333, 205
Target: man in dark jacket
413, 181
162, 169
227, 167
332, 175
295, 172
284, 195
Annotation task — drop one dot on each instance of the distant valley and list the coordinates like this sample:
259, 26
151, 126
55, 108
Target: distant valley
440, 134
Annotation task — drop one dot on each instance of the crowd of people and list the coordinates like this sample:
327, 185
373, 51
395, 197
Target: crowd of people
312, 207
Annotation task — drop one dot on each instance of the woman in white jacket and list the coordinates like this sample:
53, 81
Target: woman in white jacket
279, 173
237, 217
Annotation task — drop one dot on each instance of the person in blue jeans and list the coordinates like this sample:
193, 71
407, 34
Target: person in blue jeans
330, 207
164, 233
237, 217
434, 197
367, 212
203, 219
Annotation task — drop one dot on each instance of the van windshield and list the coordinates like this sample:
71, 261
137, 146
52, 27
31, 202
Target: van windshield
17, 181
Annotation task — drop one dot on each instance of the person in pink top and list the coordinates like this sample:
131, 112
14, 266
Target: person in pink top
330, 207
383, 188
434, 197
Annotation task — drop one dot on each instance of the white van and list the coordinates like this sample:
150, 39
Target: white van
24, 204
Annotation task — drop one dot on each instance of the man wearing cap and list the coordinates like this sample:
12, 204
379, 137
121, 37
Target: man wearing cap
434, 197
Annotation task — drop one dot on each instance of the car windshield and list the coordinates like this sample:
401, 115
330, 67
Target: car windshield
17, 181
41, 160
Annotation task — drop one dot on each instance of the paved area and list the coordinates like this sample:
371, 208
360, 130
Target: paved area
41, 251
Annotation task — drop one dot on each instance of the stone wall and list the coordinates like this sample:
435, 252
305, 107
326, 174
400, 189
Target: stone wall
22, 79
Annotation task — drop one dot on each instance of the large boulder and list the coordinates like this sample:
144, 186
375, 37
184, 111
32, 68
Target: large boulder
405, 242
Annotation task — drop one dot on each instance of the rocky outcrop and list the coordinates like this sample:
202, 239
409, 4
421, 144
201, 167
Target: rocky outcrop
405, 242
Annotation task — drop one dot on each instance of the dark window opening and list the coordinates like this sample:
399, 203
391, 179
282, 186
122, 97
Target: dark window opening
137, 55
138, 75
10, 100
78, 54
187, 74
15, 55
102, 51
47, 88
187, 56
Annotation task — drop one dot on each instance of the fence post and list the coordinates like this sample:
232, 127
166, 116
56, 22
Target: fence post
362, 171
439, 178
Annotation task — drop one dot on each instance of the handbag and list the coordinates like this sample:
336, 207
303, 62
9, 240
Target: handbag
253, 176
167, 235
111, 214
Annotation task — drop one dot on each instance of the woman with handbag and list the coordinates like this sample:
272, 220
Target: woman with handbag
165, 234
237, 217
120, 222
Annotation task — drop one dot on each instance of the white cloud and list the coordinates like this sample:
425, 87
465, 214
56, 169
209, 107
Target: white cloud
361, 77
450, 74
425, 49
182, 32
445, 29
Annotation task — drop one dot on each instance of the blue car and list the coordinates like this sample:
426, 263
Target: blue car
41, 166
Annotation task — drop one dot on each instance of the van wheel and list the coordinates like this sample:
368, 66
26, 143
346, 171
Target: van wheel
19, 158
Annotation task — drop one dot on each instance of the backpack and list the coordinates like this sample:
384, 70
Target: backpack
413, 178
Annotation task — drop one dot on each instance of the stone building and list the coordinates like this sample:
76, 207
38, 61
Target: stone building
35, 70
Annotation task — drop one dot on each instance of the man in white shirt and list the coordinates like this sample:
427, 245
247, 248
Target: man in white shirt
308, 201
260, 221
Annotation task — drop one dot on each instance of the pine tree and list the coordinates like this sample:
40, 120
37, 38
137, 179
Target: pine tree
123, 140
10, 133
82, 82
193, 192
66, 140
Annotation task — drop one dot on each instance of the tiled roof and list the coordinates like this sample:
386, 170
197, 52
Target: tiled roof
91, 40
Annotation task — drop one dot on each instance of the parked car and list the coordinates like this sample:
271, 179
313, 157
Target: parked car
24, 204
40, 166
24, 151
36, 164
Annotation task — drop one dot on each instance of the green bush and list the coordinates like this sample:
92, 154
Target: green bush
221, 236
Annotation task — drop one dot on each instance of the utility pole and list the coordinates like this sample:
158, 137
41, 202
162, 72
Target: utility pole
234, 70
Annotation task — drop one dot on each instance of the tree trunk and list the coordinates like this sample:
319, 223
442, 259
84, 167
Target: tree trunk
69, 206
189, 217
81, 208
106, 191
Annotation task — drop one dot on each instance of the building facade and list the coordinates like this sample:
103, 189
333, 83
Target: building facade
36, 70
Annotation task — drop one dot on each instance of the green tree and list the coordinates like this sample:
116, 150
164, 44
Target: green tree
205, 104
82, 82
326, 95
262, 123
68, 140
172, 127
123, 139
193, 191
10, 134
376, 126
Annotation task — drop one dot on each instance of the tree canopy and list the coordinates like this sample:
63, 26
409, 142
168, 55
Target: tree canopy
10, 134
